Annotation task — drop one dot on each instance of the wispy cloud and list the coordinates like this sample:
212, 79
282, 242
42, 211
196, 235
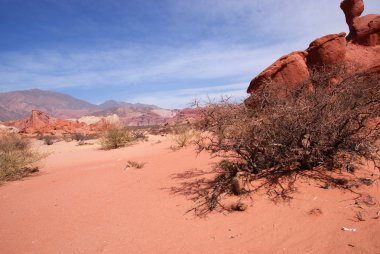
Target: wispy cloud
126, 66
185, 97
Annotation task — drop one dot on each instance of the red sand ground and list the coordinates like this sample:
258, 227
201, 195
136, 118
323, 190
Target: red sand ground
83, 201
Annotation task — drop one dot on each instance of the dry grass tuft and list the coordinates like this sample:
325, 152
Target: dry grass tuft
182, 136
135, 164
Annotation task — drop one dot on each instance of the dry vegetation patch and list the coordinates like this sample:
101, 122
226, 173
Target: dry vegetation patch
135, 164
182, 135
314, 130
17, 159
118, 136
115, 137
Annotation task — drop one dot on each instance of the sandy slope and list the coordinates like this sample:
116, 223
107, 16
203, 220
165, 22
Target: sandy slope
83, 201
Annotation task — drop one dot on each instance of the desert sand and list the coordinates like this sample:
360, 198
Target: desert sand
84, 200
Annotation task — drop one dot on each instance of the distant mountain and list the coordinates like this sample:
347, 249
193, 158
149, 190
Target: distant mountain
19, 104
138, 114
121, 104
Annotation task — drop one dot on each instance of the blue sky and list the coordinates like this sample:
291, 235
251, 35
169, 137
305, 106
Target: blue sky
163, 52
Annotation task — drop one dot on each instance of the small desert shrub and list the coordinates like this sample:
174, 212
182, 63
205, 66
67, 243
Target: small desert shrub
182, 135
138, 134
92, 136
115, 137
48, 140
78, 136
161, 130
135, 164
39, 136
284, 133
67, 137
154, 130
16, 157
84, 143
82, 138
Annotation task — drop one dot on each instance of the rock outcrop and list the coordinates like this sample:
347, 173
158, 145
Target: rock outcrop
289, 69
8, 129
363, 30
359, 51
40, 122
326, 51
352, 9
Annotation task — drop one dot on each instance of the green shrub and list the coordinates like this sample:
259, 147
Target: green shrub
115, 137
17, 160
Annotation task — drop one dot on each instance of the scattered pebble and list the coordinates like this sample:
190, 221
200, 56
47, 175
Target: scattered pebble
315, 211
240, 206
366, 181
349, 229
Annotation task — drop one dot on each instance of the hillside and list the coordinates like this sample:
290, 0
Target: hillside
122, 104
18, 104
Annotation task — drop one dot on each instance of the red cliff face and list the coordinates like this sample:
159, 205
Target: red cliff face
360, 51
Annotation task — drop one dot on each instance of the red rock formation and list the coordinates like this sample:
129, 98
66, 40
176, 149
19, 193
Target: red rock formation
184, 116
289, 69
326, 51
360, 51
101, 125
366, 30
40, 122
363, 30
352, 9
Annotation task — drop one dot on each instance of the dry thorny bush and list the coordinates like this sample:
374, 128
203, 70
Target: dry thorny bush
17, 159
311, 130
117, 136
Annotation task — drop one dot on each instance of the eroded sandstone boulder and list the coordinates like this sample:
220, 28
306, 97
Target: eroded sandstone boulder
289, 69
364, 30
327, 50
352, 9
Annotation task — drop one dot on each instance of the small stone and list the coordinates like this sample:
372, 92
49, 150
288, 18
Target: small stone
366, 181
241, 207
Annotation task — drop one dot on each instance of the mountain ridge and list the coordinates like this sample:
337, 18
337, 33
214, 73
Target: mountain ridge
18, 104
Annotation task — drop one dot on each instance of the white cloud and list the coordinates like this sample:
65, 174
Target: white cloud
184, 97
274, 18
123, 66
